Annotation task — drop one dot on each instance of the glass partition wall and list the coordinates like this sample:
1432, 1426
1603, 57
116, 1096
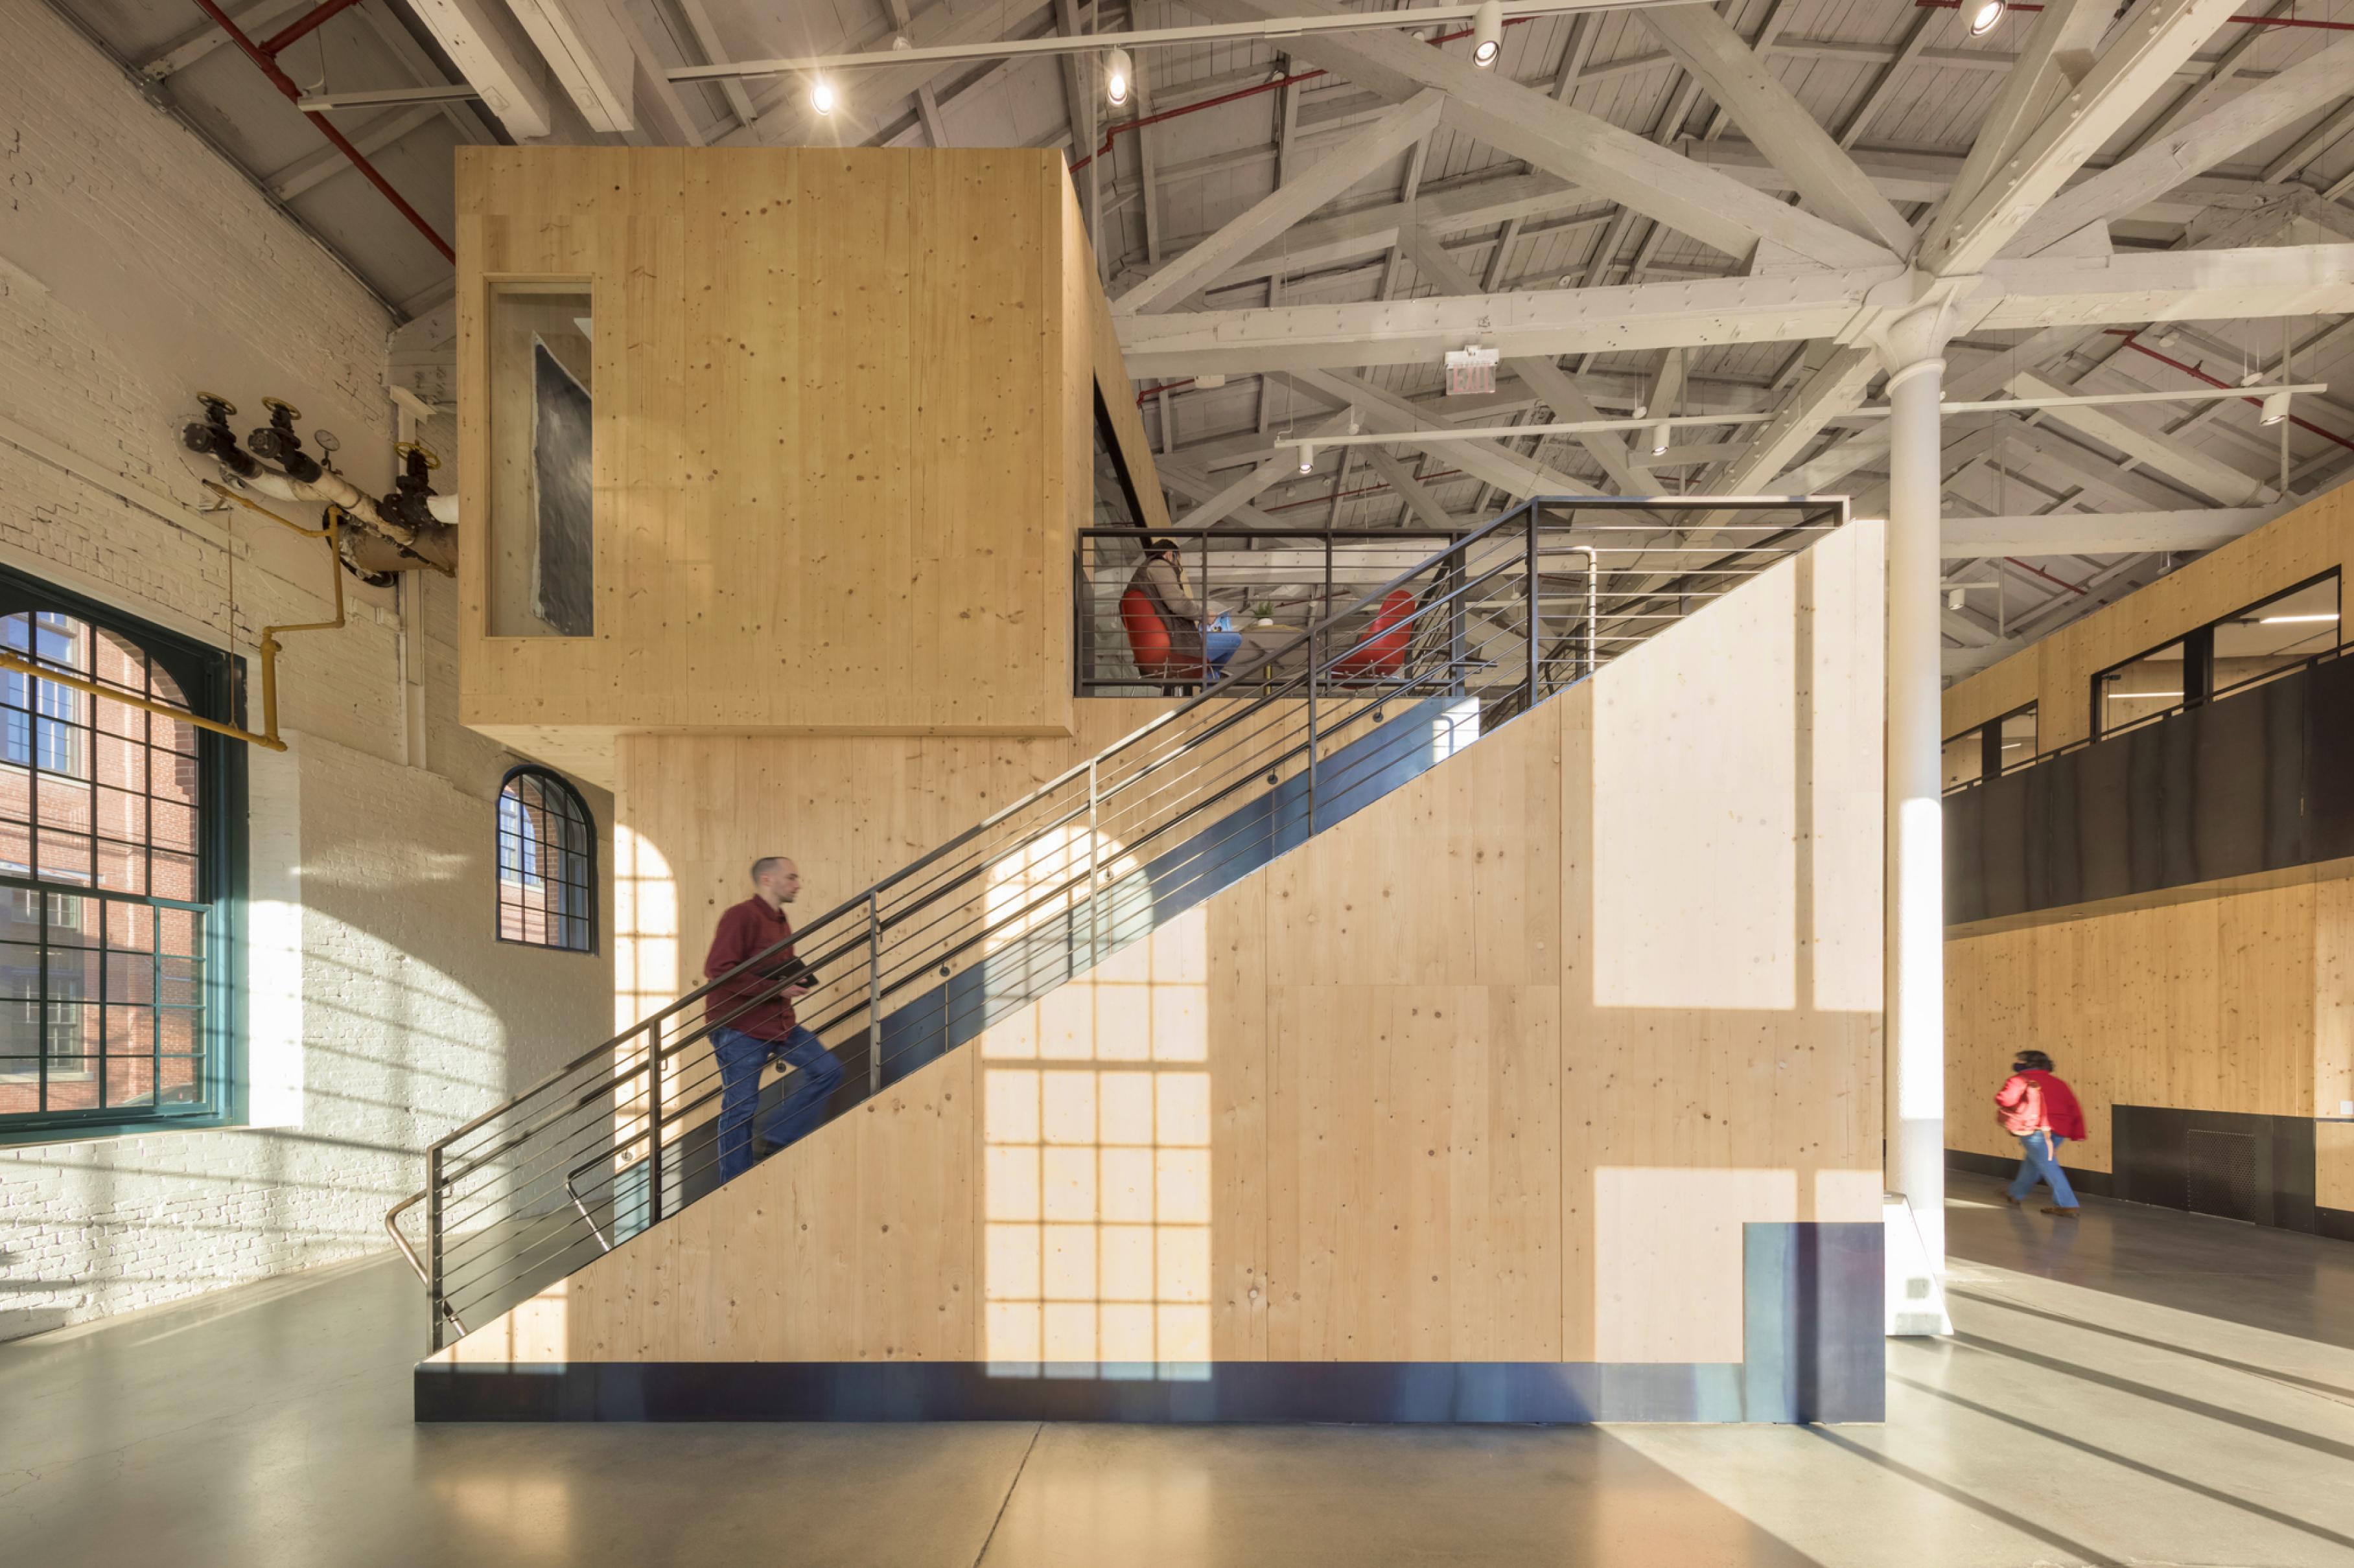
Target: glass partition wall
2244, 649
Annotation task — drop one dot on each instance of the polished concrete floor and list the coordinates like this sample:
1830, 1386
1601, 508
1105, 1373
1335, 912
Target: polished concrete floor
2141, 1388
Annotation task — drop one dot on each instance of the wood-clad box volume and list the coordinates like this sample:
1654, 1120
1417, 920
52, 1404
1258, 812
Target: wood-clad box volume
842, 414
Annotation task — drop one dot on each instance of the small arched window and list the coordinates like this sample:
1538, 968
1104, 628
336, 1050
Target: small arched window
547, 863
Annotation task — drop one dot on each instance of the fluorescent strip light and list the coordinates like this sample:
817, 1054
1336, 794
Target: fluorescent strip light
2292, 620
2114, 696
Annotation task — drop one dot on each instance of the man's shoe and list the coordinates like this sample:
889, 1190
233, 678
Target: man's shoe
762, 1147
2064, 1213
2014, 1202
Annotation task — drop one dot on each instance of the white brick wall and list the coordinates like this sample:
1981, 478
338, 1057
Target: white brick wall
134, 268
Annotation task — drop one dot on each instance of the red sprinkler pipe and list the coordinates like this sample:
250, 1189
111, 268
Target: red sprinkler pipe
2256, 396
267, 63
304, 24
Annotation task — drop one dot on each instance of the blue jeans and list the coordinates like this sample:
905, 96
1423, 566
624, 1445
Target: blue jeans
2043, 1164
741, 1057
1220, 647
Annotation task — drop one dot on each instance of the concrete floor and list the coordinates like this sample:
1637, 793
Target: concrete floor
2144, 1387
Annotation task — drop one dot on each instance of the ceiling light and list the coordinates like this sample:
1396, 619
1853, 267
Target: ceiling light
822, 96
1119, 70
2292, 620
2275, 408
1487, 33
1954, 599
1659, 438
1983, 19
1307, 456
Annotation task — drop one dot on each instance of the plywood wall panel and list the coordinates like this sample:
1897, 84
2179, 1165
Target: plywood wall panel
2229, 998
1389, 1098
844, 428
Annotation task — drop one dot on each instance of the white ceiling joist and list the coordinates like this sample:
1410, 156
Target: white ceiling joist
1379, 144
1542, 374
2100, 533
862, 102
1920, 176
1179, 479
2154, 43
2177, 459
1219, 506
2221, 285
2034, 446
1382, 410
511, 79
1416, 495
2194, 148
1581, 148
1707, 46
1481, 204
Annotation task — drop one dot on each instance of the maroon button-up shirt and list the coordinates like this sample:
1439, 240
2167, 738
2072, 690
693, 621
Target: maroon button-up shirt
750, 1003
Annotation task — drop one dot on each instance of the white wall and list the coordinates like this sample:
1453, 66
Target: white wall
135, 266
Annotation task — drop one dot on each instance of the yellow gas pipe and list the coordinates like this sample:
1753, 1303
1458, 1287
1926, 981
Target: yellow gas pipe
333, 534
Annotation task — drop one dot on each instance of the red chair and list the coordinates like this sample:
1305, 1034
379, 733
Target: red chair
1380, 652
1149, 642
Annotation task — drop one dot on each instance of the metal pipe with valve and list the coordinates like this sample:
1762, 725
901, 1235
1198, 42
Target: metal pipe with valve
404, 533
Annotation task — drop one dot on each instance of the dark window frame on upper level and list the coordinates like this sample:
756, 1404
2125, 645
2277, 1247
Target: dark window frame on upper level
189, 992
539, 905
2199, 661
1990, 745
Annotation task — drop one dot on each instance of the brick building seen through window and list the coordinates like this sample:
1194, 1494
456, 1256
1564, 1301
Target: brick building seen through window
547, 863
104, 911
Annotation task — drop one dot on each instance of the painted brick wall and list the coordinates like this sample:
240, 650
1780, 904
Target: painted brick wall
135, 266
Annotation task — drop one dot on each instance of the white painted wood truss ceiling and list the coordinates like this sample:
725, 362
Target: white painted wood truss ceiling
1698, 209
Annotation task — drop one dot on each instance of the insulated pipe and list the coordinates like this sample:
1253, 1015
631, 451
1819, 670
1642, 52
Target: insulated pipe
1914, 843
334, 490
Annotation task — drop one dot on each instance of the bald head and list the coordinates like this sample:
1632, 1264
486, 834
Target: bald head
776, 879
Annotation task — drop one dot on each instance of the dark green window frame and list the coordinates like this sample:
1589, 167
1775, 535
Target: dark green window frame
211, 680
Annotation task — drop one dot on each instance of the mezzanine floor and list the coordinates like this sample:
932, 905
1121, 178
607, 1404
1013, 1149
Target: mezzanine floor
2146, 1388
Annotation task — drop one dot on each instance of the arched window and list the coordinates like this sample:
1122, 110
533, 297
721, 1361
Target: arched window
113, 888
547, 863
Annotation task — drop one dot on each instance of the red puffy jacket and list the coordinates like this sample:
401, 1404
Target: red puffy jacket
2038, 1101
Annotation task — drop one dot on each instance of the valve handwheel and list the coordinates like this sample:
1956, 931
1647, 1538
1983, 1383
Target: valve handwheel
215, 400
405, 448
280, 406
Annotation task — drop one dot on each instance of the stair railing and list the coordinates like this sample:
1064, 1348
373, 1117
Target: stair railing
623, 1136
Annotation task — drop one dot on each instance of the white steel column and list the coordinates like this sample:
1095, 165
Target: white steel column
1915, 839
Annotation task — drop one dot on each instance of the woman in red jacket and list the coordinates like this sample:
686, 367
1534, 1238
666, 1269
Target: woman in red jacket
2039, 1108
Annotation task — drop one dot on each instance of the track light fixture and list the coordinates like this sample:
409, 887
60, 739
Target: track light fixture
1307, 456
1659, 438
1119, 73
2275, 408
822, 95
1488, 34
1983, 19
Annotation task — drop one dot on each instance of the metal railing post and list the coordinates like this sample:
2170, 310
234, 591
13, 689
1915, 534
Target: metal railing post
1458, 624
874, 996
434, 1248
654, 1124
1094, 870
1536, 620
1315, 665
